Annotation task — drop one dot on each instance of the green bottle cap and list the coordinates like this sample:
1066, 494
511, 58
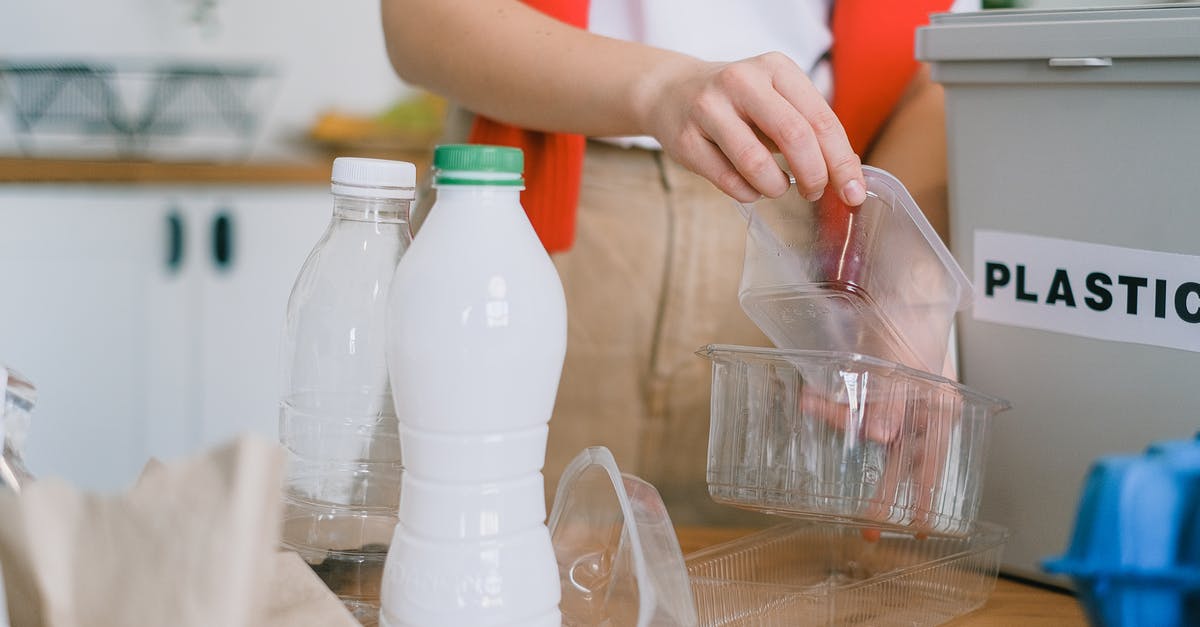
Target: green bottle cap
472, 164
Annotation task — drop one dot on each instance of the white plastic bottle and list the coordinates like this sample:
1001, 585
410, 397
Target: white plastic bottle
336, 416
476, 342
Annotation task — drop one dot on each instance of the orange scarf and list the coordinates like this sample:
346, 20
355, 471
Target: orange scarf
872, 57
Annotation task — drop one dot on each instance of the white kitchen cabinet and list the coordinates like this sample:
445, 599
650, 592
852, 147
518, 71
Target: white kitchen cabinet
77, 268
244, 300
148, 316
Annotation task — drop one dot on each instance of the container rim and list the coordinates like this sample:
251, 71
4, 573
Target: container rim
984, 536
905, 200
713, 352
902, 198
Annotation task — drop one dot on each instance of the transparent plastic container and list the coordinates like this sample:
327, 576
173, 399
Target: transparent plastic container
874, 279
798, 574
336, 418
846, 438
16, 406
619, 561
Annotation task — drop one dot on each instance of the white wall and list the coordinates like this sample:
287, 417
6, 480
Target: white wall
330, 53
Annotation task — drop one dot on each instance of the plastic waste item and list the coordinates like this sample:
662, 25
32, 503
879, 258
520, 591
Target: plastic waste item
874, 279
1135, 552
619, 561
19, 398
846, 438
800, 574
337, 419
476, 339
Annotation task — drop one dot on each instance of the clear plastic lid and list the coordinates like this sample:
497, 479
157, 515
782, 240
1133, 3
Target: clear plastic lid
19, 397
874, 279
619, 560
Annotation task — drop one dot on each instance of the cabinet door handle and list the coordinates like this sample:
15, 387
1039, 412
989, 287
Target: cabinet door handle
222, 241
1081, 62
175, 241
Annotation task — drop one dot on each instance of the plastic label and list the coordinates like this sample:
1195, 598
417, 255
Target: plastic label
1090, 290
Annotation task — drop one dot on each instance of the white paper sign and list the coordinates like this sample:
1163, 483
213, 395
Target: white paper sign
1091, 290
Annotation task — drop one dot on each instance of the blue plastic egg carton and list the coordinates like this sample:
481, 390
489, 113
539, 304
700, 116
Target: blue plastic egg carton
1135, 552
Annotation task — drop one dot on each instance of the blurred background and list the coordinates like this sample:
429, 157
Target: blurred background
164, 172
135, 77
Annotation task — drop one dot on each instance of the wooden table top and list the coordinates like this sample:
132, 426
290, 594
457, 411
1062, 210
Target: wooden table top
1012, 603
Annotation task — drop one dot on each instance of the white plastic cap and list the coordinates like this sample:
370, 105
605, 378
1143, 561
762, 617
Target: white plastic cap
374, 178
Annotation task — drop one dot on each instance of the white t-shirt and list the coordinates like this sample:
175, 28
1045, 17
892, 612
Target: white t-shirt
720, 30
724, 30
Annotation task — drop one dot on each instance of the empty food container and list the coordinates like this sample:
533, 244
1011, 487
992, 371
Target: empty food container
1135, 553
798, 574
874, 279
619, 561
846, 437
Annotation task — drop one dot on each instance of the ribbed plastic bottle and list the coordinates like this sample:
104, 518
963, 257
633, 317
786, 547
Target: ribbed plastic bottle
476, 342
336, 419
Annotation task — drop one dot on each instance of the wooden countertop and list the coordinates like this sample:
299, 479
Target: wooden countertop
16, 170
1012, 603
314, 170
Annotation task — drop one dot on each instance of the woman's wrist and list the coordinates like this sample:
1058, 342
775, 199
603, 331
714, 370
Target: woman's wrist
651, 91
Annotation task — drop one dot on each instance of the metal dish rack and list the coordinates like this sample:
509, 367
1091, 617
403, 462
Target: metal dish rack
135, 109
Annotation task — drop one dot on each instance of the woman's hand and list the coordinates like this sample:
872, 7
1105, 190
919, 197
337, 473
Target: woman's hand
724, 121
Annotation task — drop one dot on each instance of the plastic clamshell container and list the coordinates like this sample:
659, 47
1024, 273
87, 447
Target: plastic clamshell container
798, 574
874, 279
1135, 553
619, 560
846, 438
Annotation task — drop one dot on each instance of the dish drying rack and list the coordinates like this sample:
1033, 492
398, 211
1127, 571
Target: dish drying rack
135, 109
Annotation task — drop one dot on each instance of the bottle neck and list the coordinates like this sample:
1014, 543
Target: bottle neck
378, 210
480, 193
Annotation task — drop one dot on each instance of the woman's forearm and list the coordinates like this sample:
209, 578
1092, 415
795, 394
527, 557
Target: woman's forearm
511, 63
514, 64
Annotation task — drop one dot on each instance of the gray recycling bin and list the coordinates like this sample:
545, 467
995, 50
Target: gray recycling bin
1074, 163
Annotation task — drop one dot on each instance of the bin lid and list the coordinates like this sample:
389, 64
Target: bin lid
1160, 31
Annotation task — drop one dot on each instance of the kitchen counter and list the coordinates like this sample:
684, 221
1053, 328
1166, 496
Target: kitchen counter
1012, 603
313, 170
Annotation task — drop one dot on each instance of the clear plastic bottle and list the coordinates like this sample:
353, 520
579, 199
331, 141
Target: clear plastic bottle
17, 398
476, 342
337, 419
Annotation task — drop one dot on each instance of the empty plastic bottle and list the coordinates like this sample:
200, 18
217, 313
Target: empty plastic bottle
336, 416
475, 347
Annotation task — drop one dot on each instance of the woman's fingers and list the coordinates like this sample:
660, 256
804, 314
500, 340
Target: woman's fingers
725, 121
844, 166
792, 134
702, 156
741, 146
